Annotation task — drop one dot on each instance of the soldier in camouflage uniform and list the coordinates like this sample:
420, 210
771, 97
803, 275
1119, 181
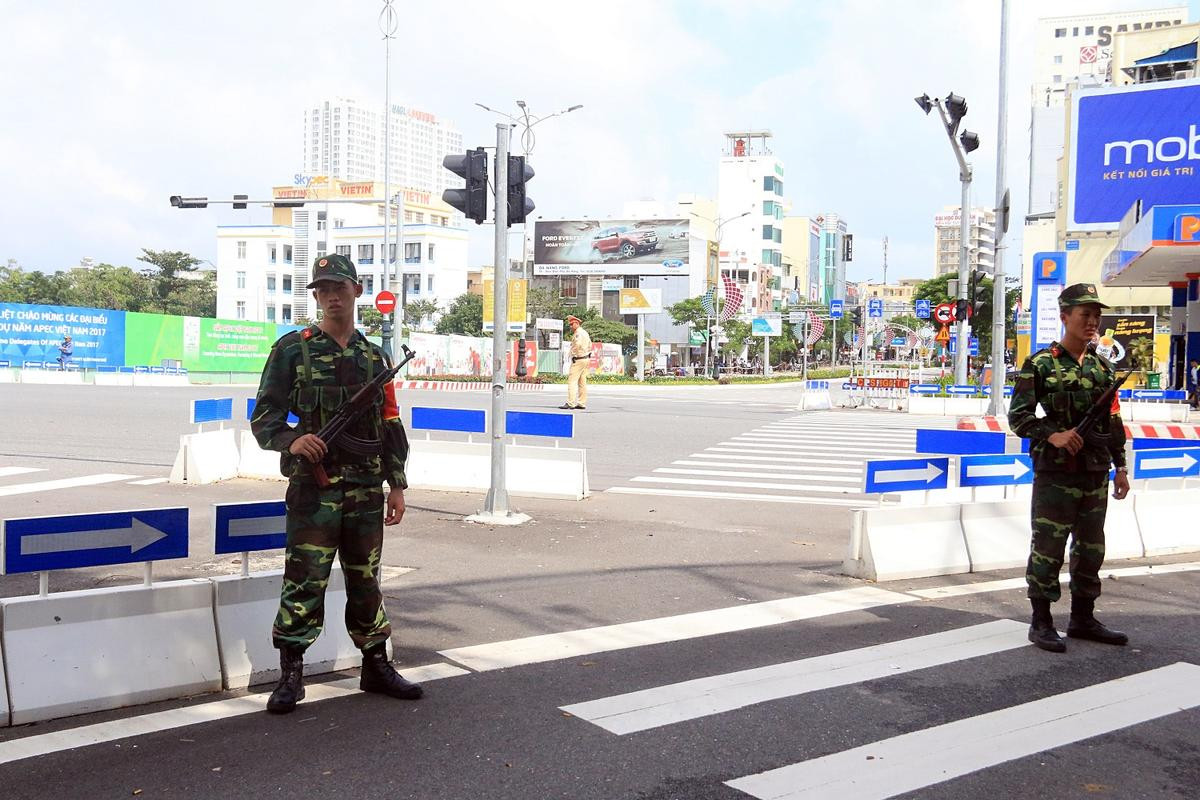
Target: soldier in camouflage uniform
1070, 487
310, 373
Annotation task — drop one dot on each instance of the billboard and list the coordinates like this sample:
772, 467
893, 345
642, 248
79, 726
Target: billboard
34, 332
1128, 340
1132, 143
611, 247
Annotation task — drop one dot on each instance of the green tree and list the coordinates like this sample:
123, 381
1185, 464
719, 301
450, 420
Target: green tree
936, 290
106, 286
18, 286
607, 331
547, 303
416, 312
371, 321
168, 272
689, 311
464, 317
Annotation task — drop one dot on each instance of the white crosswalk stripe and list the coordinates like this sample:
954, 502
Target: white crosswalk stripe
10, 488
814, 457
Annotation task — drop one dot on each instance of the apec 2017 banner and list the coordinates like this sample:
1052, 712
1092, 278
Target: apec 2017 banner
1133, 143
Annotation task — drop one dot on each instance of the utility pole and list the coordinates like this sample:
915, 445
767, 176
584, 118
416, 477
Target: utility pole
999, 306
388, 22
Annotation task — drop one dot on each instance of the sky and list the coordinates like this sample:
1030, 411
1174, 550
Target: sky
110, 108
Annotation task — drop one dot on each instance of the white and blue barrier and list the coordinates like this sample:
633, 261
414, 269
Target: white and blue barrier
207, 456
253, 461
815, 396
531, 471
960, 399
956, 442
1153, 405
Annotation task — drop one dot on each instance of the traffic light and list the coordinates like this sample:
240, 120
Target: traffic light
519, 174
925, 103
856, 315
189, 202
239, 201
471, 200
970, 141
977, 293
956, 107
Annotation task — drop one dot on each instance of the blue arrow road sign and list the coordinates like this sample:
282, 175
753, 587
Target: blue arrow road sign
906, 475
38, 544
1157, 394
241, 527
1001, 470
874, 307
955, 442
963, 389
836, 308
973, 342
923, 309
1182, 463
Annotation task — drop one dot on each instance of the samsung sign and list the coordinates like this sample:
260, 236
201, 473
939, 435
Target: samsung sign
1133, 143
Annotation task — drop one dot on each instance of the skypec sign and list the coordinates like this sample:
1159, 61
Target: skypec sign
1133, 143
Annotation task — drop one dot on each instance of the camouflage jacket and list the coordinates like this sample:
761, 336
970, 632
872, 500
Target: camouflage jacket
1066, 389
336, 374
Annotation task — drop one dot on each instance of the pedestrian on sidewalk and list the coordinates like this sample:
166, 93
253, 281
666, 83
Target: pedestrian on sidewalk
65, 351
580, 353
310, 373
1070, 485
1194, 380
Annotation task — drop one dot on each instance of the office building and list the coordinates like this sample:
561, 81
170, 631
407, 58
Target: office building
947, 235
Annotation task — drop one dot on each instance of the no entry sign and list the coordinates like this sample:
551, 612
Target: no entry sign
944, 313
385, 301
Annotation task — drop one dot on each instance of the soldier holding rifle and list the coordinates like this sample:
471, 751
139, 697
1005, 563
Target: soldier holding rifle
335, 500
1072, 448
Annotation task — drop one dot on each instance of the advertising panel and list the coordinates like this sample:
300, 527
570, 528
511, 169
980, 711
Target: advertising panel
153, 338
517, 305
1132, 143
1049, 275
611, 247
640, 301
766, 326
221, 345
1127, 340
34, 332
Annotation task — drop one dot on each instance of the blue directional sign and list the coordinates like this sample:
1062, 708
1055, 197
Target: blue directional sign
963, 389
536, 423
39, 544
250, 403
997, 470
1008, 390
907, 475
924, 388
837, 308
215, 410
954, 442
241, 527
1157, 394
973, 341
1163, 444
1181, 463
875, 307
923, 309
1072, 244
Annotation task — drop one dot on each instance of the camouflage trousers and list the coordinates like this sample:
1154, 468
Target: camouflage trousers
1067, 503
345, 520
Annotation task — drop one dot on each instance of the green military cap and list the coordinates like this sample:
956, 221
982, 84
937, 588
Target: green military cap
1080, 294
333, 268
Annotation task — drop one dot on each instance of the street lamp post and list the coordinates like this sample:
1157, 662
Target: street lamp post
999, 306
388, 22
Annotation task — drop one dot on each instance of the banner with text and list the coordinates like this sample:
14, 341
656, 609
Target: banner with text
611, 247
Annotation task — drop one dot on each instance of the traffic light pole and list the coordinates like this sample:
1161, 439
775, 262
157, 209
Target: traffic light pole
999, 306
964, 271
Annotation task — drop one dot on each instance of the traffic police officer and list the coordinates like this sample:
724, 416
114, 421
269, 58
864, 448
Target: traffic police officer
311, 373
1070, 487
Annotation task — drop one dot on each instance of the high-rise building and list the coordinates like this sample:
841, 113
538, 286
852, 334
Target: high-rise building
835, 247
751, 205
1069, 50
344, 140
947, 227
802, 259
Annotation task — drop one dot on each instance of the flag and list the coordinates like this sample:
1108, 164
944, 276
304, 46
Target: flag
706, 302
733, 299
816, 329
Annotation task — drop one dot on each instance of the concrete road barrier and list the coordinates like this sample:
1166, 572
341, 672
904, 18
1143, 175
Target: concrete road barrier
550, 472
97, 649
1167, 520
997, 534
5, 717
53, 376
246, 607
206, 457
254, 462
892, 543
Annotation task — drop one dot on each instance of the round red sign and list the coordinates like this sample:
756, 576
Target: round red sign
944, 312
385, 301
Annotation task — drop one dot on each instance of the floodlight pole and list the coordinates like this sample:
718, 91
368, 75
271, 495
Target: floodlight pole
999, 295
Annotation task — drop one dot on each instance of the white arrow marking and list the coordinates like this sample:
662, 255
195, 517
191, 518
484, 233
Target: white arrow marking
136, 536
929, 473
257, 526
1182, 462
1015, 468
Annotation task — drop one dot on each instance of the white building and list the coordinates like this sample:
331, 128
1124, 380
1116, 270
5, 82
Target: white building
344, 138
947, 234
750, 179
1068, 50
262, 270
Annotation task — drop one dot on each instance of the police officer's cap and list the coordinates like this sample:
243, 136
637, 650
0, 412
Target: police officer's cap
1080, 294
333, 268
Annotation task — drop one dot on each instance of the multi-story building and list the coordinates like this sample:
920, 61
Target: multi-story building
897, 297
835, 247
802, 260
262, 270
344, 140
947, 235
751, 207
1078, 49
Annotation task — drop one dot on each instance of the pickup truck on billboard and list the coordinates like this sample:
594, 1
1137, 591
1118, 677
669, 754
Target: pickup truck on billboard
624, 241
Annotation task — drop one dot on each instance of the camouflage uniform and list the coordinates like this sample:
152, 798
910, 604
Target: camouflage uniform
1070, 492
310, 375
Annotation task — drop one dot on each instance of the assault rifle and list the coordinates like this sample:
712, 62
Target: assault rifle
334, 431
1101, 409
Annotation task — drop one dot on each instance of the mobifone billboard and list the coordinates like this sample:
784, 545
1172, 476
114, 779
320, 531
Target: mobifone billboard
611, 247
1133, 143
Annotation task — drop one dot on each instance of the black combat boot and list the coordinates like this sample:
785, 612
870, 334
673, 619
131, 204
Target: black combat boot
290, 689
1085, 626
380, 677
1041, 630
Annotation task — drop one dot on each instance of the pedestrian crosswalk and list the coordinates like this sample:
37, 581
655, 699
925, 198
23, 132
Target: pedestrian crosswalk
816, 457
20, 480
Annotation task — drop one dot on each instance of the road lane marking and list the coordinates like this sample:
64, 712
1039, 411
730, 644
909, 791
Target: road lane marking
743, 474
665, 705
791, 487
7, 472
963, 589
803, 443
149, 481
588, 641
788, 467
758, 498
62, 483
908, 763
743, 451
807, 450
31, 746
